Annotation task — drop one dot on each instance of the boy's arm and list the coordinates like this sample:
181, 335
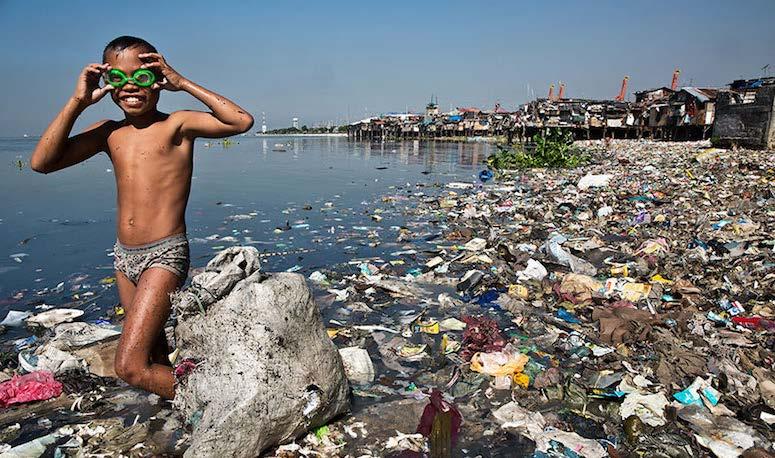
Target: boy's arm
56, 149
226, 118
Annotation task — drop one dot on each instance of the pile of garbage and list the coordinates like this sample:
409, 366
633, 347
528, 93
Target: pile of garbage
618, 309
622, 308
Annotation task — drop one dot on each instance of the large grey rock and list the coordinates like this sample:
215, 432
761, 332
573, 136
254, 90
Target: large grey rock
268, 371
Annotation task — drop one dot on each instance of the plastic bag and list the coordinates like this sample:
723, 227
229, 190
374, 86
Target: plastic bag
35, 386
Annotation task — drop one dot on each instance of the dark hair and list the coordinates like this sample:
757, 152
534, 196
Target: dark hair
125, 42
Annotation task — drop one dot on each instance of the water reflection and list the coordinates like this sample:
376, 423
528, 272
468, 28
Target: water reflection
460, 154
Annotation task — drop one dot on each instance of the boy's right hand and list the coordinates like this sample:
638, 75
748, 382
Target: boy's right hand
88, 90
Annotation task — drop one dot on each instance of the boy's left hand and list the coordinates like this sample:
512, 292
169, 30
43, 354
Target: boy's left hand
171, 80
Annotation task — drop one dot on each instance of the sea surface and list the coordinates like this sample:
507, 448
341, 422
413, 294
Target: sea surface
313, 202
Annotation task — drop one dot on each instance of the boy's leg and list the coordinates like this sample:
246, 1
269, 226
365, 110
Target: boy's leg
126, 294
126, 290
145, 319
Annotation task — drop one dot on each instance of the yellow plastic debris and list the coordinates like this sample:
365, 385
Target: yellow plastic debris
498, 363
428, 328
408, 351
660, 279
634, 292
519, 291
623, 271
521, 380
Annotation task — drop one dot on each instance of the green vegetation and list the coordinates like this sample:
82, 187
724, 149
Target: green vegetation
553, 150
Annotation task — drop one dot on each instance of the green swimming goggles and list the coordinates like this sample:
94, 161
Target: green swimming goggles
141, 77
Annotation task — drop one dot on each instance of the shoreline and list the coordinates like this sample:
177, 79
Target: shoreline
460, 139
652, 211
298, 135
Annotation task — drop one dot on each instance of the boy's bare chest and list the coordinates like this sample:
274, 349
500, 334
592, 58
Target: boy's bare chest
148, 148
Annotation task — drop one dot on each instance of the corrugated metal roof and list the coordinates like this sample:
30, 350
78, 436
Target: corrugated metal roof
701, 94
645, 91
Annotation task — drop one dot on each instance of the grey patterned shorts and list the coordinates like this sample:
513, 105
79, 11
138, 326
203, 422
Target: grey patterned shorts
169, 253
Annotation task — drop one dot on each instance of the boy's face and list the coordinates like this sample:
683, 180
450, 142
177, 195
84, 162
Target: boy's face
134, 100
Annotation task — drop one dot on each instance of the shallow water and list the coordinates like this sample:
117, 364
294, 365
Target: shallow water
57, 230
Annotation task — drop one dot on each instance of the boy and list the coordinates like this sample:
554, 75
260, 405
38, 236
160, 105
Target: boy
152, 155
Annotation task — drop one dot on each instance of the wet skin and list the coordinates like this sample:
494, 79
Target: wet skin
152, 155
152, 161
141, 357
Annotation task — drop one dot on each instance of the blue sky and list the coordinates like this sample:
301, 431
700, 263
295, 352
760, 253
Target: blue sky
325, 61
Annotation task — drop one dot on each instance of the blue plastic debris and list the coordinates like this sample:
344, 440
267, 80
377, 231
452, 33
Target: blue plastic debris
415, 272
567, 316
487, 297
485, 175
695, 392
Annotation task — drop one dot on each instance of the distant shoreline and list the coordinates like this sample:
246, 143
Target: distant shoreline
301, 135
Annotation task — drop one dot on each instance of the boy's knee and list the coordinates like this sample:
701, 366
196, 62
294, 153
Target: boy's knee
128, 371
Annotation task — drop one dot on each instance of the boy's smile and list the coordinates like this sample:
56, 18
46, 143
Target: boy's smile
132, 99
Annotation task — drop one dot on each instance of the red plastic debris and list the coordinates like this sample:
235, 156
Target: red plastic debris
563, 297
481, 335
754, 322
184, 368
35, 386
438, 405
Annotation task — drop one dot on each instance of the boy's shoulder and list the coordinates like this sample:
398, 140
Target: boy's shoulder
104, 127
181, 115
106, 124
189, 121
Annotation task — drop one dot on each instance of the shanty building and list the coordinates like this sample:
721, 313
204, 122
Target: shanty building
651, 110
683, 114
744, 114
693, 112
649, 96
